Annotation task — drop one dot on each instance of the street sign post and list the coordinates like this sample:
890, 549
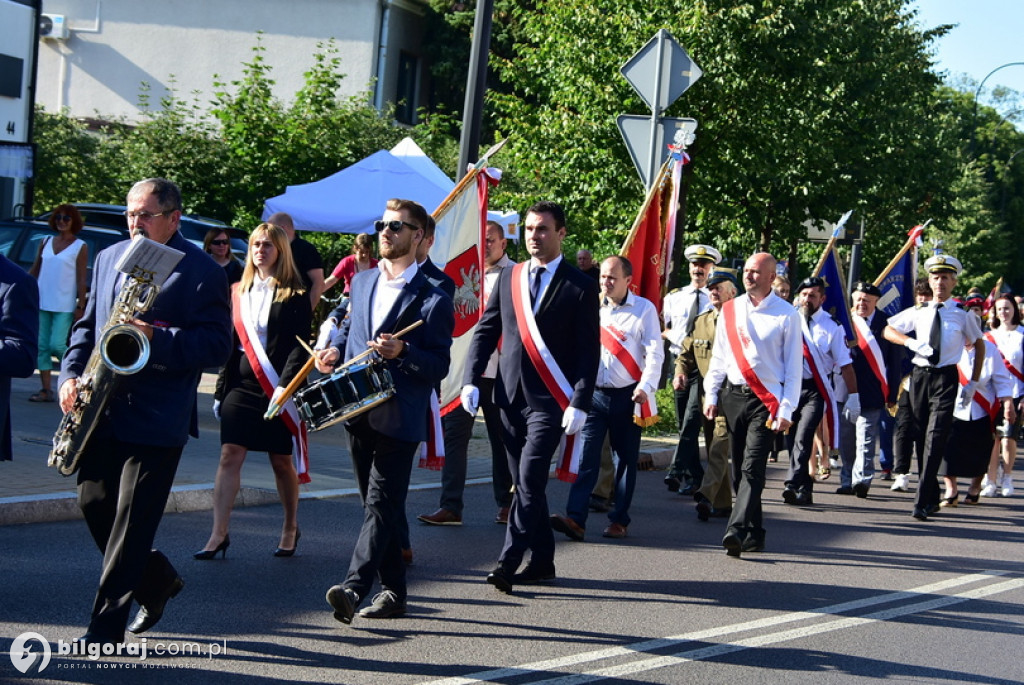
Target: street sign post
636, 130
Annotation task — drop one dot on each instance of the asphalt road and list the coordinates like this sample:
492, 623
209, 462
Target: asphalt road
847, 591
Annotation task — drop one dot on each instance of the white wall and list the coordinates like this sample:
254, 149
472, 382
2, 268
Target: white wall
98, 70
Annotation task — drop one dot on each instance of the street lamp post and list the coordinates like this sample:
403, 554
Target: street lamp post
977, 93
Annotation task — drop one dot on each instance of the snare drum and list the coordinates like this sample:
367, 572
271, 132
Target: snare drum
345, 394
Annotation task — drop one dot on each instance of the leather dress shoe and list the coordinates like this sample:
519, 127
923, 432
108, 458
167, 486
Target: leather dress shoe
535, 574
502, 579
861, 489
703, 510
920, 513
564, 524
803, 499
502, 516
733, 545
91, 638
723, 513
672, 483
687, 490
752, 544
385, 605
344, 601
148, 616
616, 531
844, 490
442, 517
789, 495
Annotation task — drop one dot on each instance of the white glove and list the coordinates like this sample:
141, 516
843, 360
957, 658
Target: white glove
852, 408
919, 346
327, 329
572, 420
470, 398
967, 394
216, 409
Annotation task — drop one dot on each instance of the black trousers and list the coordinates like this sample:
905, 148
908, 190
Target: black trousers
686, 464
383, 466
747, 420
806, 419
932, 394
122, 490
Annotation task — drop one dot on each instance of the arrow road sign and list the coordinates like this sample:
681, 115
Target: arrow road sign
636, 131
661, 71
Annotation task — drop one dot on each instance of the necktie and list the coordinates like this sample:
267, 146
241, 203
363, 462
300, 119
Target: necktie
535, 286
935, 337
694, 312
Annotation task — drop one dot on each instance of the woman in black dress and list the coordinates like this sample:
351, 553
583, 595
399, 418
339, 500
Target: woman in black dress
270, 308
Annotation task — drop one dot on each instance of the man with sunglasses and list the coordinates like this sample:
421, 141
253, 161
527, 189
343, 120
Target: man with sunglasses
128, 465
383, 440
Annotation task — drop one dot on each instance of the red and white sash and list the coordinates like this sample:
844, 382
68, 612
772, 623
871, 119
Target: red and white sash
742, 347
813, 358
432, 450
1006, 362
547, 368
869, 347
987, 404
646, 413
269, 379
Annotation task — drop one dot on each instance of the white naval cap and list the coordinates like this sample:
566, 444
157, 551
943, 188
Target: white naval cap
696, 253
943, 262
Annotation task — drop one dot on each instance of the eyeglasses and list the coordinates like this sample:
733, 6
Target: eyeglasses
395, 225
62, 217
220, 241
146, 216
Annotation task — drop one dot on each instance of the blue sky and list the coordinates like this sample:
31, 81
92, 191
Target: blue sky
989, 34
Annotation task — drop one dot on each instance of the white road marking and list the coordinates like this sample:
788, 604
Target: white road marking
735, 628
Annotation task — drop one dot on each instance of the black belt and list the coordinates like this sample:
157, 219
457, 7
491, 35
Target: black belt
741, 389
809, 384
610, 389
948, 368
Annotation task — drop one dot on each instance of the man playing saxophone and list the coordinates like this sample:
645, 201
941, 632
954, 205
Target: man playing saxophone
128, 464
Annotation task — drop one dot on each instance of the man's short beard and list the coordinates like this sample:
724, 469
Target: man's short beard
807, 310
394, 251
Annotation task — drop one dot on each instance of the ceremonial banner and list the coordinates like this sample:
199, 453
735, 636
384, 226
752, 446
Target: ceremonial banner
649, 243
836, 302
898, 285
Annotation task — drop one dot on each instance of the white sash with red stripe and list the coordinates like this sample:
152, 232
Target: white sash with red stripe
869, 347
269, 379
646, 413
1006, 362
547, 368
986, 403
743, 350
812, 355
432, 450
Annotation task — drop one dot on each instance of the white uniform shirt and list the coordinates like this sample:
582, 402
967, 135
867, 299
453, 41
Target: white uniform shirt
774, 326
830, 339
387, 292
675, 310
958, 325
639, 331
1010, 342
995, 382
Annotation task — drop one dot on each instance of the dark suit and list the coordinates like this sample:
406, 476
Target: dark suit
128, 466
383, 441
569, 323
19, 338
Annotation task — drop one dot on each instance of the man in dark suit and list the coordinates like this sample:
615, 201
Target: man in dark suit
128, 465
383, 441
542, 303
19, 337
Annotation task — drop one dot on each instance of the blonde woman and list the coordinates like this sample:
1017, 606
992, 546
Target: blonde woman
270, 308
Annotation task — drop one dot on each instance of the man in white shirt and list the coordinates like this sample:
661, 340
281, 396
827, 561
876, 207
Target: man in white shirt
680, 310
941, 328
631, 358
757, 354
826, 346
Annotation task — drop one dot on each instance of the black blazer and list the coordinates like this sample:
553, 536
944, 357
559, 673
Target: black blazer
438, 278
569, 322
287, 320
868, 387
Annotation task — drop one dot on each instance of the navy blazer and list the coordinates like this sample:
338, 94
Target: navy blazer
288, 320
19, 338
569, 321
191, 321
427, 358
438, 278
868, 387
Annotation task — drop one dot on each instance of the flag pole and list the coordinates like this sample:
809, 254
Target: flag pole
831, 242
470, 176
907, 246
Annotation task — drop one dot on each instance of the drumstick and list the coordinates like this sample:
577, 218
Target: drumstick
365, 354
275, 407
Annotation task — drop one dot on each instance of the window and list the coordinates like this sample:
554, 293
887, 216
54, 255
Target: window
405, 95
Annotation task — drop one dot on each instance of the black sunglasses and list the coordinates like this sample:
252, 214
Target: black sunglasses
220, 241
395, 225
62, 217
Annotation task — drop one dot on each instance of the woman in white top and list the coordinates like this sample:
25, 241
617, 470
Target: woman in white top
60, 268
1007, 334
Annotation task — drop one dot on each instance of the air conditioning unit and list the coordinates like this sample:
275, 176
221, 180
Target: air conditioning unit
53, 27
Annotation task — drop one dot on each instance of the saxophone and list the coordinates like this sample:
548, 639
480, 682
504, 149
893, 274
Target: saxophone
122, 350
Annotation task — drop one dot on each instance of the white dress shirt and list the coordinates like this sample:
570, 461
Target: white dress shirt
639, 332
675, 310
995, 382
774, 327
958, 325
830, 339
545, 278
1010, 342
260, 297
387, 292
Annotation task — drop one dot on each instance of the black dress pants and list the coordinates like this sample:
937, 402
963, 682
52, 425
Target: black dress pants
932, 394
747, 417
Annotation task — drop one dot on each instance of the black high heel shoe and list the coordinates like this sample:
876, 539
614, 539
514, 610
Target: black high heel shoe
282, 552
207, 554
